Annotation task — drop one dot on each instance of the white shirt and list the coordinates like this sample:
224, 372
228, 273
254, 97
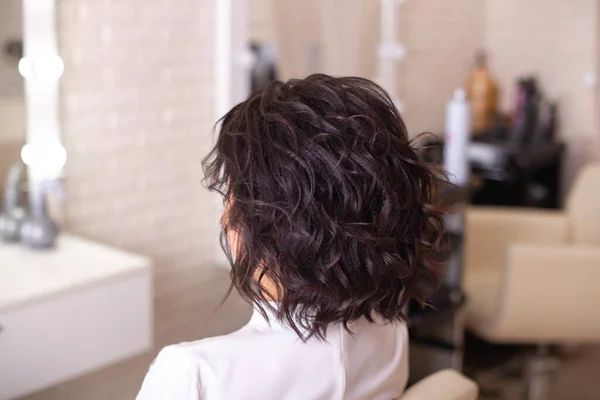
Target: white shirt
265, 361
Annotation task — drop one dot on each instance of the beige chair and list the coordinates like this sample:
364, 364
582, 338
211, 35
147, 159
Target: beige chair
443, 385
533, 276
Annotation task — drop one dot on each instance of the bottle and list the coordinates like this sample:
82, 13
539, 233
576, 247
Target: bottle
456, 138
527, 113
482, 92
13, 214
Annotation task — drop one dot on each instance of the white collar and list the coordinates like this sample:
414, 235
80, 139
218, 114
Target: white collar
259, 321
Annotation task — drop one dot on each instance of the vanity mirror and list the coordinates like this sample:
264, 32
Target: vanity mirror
30, 128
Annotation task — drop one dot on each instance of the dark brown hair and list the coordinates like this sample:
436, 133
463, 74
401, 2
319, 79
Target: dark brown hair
329, 200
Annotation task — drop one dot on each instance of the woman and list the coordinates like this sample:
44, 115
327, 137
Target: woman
330, 232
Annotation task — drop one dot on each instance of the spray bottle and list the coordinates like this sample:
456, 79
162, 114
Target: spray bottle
456, 138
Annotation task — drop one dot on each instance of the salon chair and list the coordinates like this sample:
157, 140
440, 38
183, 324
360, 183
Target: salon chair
532, 276
443, 385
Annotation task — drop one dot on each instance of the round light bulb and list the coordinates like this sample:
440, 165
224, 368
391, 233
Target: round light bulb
45, 159
26, 67
48, 68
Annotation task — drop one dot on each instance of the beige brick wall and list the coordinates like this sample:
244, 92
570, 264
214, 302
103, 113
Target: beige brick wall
298, 36
554, 39
261, 24
11, 21
597, 106
441, 38
137, 113
305, 42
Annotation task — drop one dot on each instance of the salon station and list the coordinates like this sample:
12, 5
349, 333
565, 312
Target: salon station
68, 305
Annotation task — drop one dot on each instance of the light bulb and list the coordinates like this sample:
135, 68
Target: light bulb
48, 68
45, 158
26, 67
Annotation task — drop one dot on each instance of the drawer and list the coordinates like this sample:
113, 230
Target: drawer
67, 336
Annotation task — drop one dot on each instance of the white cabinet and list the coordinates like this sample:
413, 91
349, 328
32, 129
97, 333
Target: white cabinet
70, 311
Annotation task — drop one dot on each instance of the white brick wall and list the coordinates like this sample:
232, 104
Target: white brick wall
137, 105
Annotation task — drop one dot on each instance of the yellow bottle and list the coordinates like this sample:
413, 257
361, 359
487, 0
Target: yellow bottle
482, 92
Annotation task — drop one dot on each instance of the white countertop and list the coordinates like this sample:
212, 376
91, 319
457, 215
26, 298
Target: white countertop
28, 276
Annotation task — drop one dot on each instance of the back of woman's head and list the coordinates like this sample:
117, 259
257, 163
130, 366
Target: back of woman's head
328, 200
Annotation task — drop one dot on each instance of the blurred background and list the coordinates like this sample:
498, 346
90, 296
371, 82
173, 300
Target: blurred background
110, 242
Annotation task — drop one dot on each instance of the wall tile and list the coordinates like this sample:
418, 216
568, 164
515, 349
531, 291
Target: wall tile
137, 120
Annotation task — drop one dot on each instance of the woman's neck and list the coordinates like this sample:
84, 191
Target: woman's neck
271, 291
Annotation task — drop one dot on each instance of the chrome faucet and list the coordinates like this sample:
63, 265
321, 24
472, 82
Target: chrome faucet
39, 231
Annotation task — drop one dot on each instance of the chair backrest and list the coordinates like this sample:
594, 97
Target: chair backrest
443, 385
583, 206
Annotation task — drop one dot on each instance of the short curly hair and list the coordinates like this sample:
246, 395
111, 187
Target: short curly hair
329, 200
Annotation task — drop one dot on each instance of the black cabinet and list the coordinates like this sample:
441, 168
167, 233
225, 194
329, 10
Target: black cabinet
511, 173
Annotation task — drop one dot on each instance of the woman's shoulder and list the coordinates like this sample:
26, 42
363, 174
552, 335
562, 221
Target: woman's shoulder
180, 371
172, 374
192, 355
188, 368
